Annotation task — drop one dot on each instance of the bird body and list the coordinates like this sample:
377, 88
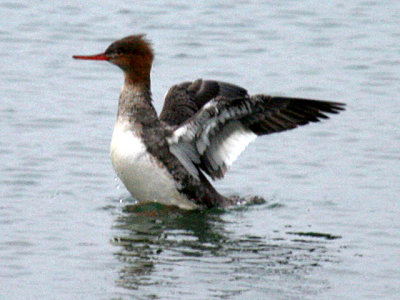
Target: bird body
142, 174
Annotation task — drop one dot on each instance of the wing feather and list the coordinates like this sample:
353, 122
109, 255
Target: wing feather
185, 99
214, 136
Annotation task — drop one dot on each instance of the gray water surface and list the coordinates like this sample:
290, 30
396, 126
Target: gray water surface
330, 226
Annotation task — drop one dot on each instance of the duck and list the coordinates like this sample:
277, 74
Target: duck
203, 127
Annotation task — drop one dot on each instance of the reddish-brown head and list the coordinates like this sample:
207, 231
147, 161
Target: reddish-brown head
133, 54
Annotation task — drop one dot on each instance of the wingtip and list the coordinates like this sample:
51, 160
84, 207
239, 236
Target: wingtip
337, 107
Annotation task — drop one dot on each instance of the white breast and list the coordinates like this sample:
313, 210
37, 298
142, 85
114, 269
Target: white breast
144, 177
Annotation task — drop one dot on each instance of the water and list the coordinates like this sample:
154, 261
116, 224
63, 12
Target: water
330, 226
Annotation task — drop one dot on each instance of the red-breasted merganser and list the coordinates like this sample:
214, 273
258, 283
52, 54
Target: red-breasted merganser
203, 127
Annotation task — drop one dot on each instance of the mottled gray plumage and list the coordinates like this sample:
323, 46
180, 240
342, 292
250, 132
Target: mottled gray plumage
185, 99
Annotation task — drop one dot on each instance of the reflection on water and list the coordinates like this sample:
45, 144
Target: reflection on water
156, 245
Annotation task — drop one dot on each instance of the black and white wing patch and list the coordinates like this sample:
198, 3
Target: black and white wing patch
214, 137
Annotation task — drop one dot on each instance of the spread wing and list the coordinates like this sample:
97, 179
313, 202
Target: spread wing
184, 100
213, 137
